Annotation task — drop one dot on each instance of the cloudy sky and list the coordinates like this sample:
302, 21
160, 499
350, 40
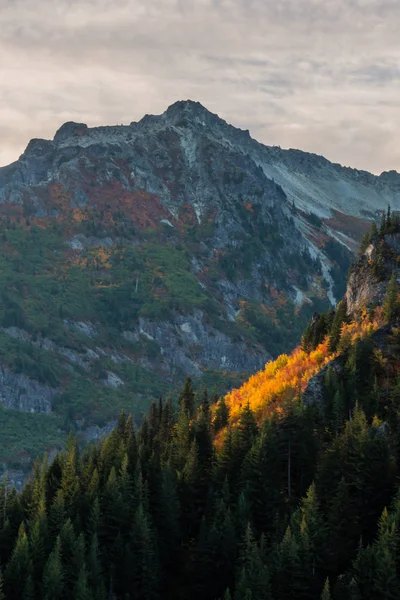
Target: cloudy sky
321, 75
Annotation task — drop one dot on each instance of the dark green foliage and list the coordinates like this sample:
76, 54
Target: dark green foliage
221, 416
339, 318
316, 331
187, 397
391, 303
293, 507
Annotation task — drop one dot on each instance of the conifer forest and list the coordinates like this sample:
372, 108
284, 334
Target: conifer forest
276, 491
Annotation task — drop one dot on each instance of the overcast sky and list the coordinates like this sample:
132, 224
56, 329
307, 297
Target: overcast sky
320, 75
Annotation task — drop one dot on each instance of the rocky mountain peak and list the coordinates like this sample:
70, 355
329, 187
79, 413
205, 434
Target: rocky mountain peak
70, 129
188, 107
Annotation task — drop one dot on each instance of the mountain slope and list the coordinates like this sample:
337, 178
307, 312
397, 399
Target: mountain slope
360, 335
296, 498
132, 256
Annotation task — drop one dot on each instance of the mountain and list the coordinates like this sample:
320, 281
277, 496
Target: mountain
286, 488
133, 256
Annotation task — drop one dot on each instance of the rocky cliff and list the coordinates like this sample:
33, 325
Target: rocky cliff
369, 276
373, 306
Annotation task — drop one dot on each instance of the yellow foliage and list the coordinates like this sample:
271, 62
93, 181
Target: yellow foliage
280, 380
285, 378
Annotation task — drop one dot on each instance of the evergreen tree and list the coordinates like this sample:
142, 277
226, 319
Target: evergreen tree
336, 328
221, 415
388, 219
365, 241
326, 592
82, 589
53, 575
252, 578
286, 567
187, 397
37, 545
95, 577
145, 568
382, 230
390, 306
18, 573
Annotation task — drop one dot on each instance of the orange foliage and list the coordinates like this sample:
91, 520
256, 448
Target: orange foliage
280, 380
79, 215
287, 377
360, 328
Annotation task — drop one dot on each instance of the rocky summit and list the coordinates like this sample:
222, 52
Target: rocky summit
133, 256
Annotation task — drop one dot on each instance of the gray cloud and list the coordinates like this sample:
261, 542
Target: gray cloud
321, 75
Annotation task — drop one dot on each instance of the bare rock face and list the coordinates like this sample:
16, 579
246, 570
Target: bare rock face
368, 279
191, 345
314, 392
364, 289
19, 392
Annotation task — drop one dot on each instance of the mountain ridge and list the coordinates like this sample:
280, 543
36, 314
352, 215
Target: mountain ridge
133, 256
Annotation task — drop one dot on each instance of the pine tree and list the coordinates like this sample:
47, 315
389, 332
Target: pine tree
313, 524
216, 553
68, 549
342, 523
336, 328
221, 418
2, 596
388, 219
169, 522
365, 241
286, 567
70, 485
382, 230
339, 410
167, 421
18, 573
386, 582
252, 578
306, 340
182, 440
38, 542
187, 397
95, 577
82, 590
205, 403
246, 431
326, 592
390, 306
145, 567
53, 575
